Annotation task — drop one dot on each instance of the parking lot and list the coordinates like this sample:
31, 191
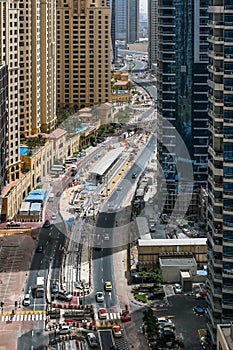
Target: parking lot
187, 322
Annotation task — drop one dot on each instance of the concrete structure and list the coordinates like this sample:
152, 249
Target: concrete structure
220, 186
3, 124
83, 53
149, 251
225, 336
182, 100
172, 267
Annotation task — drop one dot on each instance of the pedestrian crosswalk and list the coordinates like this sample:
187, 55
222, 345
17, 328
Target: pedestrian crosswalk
23, 316
109, 316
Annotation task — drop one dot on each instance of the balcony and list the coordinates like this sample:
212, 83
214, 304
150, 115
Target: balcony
215, 39
215, 86
215, 155
228, 210
227, 304
216, 170
216, 54
215, 101
217, 277
227, 289
218, 132
218, 117
219, 24
215, 70
227, 257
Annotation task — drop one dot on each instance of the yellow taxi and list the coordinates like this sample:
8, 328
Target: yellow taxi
108, 286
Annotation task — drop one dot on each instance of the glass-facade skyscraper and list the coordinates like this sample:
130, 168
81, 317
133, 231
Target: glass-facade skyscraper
220, 180
182, 97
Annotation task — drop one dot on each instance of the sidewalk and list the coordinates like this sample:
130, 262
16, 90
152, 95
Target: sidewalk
136, 339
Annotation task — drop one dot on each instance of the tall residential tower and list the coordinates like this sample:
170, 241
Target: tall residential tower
83, 53
220, 184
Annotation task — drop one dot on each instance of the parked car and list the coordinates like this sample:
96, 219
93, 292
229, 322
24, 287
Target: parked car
177, 288
63, 330
63, 295
99, 297
134, 175
40, 248
54, 288
92, 340
26, 300
199, 310
163, 320
13, 224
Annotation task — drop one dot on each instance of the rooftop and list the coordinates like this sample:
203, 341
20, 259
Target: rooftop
101, 167
177, 261
172, 242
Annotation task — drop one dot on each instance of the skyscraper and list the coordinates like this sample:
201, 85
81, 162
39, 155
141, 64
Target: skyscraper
220, 185
121, 20
182, 96
3, 124
27, 46
152, 32
133, 21
83, 53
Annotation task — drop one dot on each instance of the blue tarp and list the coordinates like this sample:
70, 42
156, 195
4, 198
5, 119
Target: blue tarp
70, 222
36, 196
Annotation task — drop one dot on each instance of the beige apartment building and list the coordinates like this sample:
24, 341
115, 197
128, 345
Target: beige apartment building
83, 53
27, 46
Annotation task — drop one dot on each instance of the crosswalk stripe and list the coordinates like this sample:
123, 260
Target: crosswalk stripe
33, 317
21, 317
29, 317
17, 317
111, 316
6, 319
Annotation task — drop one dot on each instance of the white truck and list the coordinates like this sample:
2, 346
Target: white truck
40, 287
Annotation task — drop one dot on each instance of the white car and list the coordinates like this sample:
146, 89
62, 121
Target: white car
177, 288
91, 338
63, 330
99, 297
106, 237
26, 300
163, 320
53, 216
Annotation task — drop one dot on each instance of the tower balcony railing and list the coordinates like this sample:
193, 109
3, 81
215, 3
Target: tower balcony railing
215, 276
213, 38
227, 256
227, 289
216, 23
217, 116
217, 54
215, 100
227, 304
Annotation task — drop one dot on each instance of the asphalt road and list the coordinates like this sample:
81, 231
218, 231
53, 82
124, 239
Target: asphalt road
186, 321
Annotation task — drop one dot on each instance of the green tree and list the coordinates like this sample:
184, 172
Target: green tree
142, 275
156, 276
